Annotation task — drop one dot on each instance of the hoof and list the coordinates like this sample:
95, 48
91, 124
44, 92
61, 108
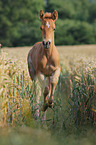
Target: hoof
45, 106
50, 103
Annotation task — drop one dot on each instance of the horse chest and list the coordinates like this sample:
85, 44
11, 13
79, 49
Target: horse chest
45, 66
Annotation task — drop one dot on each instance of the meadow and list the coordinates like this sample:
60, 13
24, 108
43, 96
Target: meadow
72, 120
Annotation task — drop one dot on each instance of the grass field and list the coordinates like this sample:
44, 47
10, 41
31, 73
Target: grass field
73, 117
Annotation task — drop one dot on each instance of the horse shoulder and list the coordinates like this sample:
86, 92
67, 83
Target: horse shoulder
39, 57
55, 57
42, 61
34, 54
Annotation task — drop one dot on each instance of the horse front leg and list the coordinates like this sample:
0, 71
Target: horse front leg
46, 95
45, 104
53, 83
51, 99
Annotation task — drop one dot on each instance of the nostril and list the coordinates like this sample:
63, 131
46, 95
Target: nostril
44, 43
49, 42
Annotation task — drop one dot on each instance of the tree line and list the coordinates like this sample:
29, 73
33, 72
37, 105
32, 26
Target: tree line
20, 24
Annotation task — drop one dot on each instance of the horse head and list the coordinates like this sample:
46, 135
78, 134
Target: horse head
48, 27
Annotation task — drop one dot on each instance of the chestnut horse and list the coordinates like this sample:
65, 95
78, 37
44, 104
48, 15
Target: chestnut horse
44, 60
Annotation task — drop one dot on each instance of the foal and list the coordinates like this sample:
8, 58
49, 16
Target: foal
44, 60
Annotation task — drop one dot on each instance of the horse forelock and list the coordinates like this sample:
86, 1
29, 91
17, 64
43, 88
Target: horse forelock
48, 15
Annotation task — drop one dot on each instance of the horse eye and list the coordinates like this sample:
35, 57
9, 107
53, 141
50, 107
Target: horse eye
54, 29
41, 28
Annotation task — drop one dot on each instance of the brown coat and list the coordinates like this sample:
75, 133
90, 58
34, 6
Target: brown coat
44, 58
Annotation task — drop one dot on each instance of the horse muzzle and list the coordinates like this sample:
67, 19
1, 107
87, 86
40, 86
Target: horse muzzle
46, 44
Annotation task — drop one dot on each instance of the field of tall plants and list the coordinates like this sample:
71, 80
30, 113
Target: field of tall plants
74, 111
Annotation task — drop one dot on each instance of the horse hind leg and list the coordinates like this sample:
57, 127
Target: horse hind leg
37, 95
45, 104
33, 76
53, 83
31, 69
45, 89
32, 73
45, 95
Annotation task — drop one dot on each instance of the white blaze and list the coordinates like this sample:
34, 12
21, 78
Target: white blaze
47, 24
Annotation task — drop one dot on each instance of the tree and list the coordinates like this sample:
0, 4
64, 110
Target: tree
20, 25
17, 21
92, 11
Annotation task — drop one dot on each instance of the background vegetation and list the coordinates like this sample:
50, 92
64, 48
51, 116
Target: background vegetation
20, 24
72, 120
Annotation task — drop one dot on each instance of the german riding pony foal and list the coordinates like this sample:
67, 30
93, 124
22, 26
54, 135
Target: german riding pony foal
44, 60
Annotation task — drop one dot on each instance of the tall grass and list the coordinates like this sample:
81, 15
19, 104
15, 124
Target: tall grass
75, 95
15, 92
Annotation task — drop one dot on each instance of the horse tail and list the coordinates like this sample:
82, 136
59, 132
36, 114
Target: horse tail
31, 69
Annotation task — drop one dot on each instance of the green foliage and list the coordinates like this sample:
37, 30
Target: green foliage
74, 32
19, 21
25, 34
92, 10
70, 9
82, 99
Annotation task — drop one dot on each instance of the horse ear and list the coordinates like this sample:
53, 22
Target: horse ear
41, 14
55, 15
